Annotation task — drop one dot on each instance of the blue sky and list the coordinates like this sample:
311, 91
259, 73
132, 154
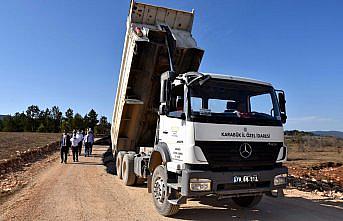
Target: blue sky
68, 53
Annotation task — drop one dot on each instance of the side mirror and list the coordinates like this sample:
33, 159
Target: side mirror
282, 103
183, 116
283, 118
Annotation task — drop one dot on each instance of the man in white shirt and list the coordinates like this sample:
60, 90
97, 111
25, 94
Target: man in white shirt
75, 147
86, 144
79, 136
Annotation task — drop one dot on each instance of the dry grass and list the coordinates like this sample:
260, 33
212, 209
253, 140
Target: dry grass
313, 158
10, 142
308, 151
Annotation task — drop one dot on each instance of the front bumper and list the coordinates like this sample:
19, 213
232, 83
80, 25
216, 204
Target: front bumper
223, 184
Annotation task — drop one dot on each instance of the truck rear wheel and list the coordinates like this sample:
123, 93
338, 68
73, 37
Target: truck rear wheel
247, 201
160, 192
128, 173
119, 163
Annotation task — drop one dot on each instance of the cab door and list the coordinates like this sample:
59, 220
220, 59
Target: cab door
173, 132
172, 129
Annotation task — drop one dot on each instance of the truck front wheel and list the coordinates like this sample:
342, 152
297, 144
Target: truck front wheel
247, 201
160, 192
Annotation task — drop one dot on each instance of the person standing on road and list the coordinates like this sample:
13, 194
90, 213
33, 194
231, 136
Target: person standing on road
88, 142
65, 144
75, 147
79, 136
91, 140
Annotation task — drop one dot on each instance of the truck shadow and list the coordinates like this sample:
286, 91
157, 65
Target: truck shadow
96, 155
109, 161
87, 163
288, 208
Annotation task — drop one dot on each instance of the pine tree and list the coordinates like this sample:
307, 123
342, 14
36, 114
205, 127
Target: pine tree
57, 119
92, 119
103, 127
32, 114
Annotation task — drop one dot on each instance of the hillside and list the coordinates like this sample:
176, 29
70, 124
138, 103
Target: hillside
329, 133
3, 116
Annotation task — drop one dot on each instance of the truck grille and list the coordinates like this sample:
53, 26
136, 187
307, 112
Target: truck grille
226, 154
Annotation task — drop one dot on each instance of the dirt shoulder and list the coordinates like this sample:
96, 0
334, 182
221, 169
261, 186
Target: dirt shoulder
84, 191
23, 175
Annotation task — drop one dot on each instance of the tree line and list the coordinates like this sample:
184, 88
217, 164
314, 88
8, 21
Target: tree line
298, 133
53, 121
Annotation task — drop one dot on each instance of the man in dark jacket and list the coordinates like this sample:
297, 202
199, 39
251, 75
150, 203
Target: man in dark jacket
65, 144
80, 136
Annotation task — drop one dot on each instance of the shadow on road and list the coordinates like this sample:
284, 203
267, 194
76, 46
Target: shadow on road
212, 209
96, 155
109, 161
288, 208
86, 163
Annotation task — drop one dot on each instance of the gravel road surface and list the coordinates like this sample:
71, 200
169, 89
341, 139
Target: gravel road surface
84, 191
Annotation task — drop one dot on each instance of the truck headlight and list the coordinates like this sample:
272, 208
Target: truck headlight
196, 184
280, 179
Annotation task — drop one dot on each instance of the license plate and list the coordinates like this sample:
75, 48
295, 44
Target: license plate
245, 179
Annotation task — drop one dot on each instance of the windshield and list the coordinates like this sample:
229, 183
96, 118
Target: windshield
226, 101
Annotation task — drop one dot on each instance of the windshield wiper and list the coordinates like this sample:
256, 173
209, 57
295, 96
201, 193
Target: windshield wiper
202, 80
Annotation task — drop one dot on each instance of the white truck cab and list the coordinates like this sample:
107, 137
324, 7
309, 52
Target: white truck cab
219, 109
224, 135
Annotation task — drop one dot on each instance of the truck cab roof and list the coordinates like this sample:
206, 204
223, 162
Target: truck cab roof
236, 78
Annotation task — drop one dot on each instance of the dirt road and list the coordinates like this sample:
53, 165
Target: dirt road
84, 191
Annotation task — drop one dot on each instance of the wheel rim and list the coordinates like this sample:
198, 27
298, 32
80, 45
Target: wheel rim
159, 190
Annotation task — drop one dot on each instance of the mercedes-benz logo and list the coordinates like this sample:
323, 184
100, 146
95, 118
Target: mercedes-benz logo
245, 150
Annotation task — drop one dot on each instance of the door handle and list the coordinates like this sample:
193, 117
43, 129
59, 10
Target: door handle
165, 132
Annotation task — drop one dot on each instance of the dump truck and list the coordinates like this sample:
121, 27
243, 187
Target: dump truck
188, 134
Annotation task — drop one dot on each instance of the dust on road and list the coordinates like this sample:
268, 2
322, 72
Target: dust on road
84, 191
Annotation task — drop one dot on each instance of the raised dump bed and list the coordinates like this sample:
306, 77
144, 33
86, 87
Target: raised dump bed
144, 59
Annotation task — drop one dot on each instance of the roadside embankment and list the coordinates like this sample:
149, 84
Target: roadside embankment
323, 179
30, 155
17, 171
